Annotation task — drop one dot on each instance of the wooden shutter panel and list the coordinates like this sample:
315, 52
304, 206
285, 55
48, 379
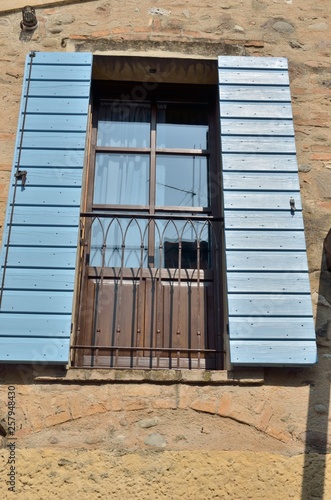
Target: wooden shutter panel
269, 303
38, 271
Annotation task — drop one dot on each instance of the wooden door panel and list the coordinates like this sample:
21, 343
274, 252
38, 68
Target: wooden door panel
179, 321
148, 323
186, 315
113, 319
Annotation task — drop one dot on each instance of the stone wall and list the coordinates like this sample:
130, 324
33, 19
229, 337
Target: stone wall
150, 435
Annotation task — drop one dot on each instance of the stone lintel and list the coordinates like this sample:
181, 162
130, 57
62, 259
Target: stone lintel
7, 6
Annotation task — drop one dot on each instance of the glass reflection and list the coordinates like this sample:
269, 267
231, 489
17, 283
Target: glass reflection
181, 181
182, 241
121, 179
182, 126
124, 124
123, 242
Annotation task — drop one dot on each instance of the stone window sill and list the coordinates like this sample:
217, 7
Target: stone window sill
203, 377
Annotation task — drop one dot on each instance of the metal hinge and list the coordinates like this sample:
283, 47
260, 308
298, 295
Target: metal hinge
21, 175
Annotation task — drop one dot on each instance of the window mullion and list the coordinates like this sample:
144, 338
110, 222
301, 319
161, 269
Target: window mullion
152, 189
152, 183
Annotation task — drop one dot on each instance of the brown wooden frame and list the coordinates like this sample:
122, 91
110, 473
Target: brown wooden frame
114, 90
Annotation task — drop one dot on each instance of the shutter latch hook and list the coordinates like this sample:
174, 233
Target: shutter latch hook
21, 174
292, 205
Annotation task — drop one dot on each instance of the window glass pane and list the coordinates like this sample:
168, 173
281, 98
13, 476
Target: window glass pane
123, 242
182, 126
121, 179
182, 241
124, 124
181, 181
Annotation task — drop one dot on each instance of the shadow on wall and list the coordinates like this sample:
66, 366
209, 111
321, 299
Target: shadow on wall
317, 444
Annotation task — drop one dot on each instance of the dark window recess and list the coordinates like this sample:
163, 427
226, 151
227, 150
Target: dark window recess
151, 292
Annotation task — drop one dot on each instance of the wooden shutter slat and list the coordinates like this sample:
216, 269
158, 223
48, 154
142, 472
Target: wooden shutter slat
53, 216
251, 260
52, 123
56, 196
256, 110
35, 236
39, 302
62, 61
253, 127
264, 305
69, 141
275, 181
243, 282
257, 200
267, 219
54, 257
42, 325
246, 144
57, 105
58, 158
260, 93
64, 177
252, 62
268, 240
77, 73
277, 353
263, 76
51, 89
37, 279
38, 350
260, 162
267, 328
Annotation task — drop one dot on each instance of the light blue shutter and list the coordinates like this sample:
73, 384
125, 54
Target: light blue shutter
269, 303
36, 308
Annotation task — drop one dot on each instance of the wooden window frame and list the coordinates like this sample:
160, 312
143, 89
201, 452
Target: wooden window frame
183, 93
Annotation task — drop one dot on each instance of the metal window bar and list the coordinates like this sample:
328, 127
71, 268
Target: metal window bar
147, 345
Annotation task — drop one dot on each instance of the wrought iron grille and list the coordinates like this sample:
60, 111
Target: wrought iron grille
150, 293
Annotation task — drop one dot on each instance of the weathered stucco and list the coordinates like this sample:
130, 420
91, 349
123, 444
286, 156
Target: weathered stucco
190, 475
146, 436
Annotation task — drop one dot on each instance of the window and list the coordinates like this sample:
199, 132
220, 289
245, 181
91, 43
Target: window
151, 287
150, 226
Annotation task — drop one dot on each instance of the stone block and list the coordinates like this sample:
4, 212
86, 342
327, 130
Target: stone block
100, 34
164, 404
186, 394
96, 408
120, 30
205, 406
225, 404
321, 156
141, 390
321, 148
135, 405
279, 434
116, 404
265, 418
57, 418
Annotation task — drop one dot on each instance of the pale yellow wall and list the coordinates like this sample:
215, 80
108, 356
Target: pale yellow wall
82, 474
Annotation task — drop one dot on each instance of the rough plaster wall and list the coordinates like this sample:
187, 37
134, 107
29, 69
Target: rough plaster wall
122, 415
192, 427
174, 475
